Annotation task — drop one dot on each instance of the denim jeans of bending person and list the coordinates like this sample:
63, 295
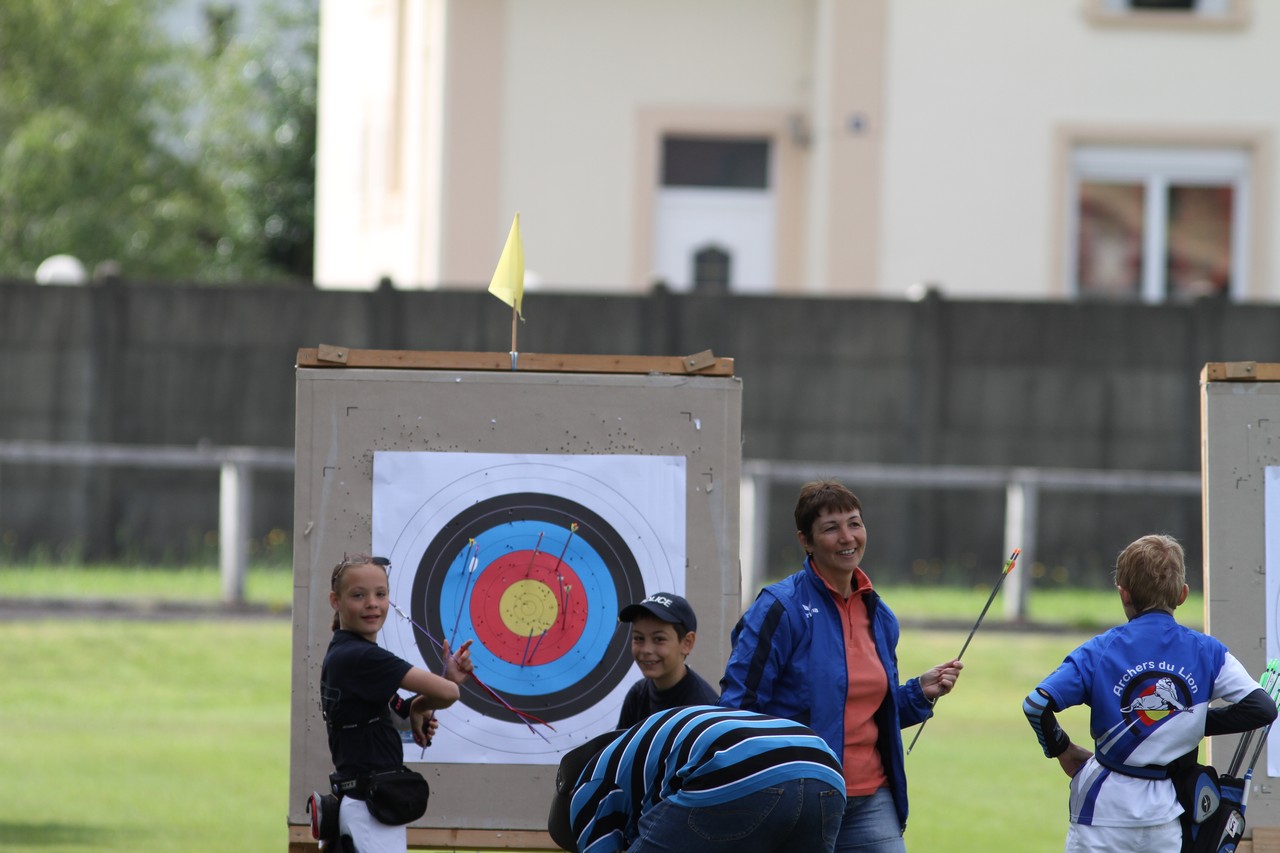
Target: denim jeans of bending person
803, 814
870, 825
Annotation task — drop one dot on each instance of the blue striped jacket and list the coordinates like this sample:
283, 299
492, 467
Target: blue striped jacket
695, 756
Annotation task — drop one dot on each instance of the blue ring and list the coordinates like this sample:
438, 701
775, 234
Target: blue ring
564, 672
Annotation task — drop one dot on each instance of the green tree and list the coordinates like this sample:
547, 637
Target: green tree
119, 143
257, 133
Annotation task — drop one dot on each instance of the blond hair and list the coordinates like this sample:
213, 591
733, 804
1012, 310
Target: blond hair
1153, 570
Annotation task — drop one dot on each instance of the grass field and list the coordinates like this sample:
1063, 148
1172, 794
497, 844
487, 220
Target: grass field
144, 736
121, 735
272, 587
1086, 610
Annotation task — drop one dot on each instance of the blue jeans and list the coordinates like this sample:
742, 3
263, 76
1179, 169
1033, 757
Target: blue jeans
871, 825
803, 814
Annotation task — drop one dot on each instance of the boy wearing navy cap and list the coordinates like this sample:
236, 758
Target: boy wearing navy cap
663, 631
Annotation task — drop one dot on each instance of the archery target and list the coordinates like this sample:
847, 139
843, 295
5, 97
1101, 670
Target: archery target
536, 638
531, 558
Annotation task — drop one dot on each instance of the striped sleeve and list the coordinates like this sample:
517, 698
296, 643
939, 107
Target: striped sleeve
606, 809
748, 678
1038, 708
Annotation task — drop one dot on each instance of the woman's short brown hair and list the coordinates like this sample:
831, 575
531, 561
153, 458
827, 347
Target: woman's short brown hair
819, 496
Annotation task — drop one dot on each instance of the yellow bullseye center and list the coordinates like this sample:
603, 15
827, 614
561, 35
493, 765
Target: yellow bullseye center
528, 608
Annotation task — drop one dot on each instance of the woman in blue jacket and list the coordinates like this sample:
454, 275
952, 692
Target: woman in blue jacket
820, 648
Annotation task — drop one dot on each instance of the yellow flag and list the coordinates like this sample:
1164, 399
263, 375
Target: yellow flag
508, 279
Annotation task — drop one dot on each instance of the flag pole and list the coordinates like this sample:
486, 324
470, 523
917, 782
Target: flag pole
514, 352
508, 280
1008, 567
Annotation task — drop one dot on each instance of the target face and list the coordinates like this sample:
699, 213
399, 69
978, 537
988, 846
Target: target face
531, 558
541, 603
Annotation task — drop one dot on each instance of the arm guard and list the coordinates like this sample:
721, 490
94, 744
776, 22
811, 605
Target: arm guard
1039, 709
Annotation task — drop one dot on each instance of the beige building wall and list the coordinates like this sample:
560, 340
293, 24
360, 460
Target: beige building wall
915, 142
982, 98
589, 86
380, 155
441, 119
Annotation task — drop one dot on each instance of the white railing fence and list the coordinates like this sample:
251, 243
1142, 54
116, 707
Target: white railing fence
1021, 486
235, 492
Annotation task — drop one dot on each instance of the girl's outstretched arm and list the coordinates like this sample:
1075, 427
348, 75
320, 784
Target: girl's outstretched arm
436, 691
458, 666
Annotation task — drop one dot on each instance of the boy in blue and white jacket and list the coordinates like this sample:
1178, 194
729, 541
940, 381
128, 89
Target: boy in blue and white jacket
1148, 684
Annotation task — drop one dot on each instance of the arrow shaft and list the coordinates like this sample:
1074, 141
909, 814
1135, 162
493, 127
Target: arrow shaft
1008, 567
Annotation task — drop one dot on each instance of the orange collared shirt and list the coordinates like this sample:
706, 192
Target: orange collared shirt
868, 686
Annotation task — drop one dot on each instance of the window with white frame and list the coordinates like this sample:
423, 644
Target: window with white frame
714, 216
1158, 223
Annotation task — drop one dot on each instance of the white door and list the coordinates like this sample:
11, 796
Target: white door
715, 205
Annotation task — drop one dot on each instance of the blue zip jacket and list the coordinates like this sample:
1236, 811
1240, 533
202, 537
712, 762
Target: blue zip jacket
788, 660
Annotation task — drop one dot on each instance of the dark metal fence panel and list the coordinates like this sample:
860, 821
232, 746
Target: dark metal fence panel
1089, 385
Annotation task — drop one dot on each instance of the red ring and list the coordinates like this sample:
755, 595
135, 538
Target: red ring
518, 608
